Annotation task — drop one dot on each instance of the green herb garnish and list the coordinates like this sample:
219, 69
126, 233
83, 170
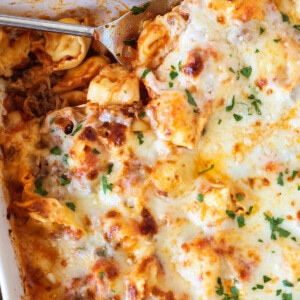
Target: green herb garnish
191, 100
55, 150
136, 10
230, 107
71, 206
78, 128
106, 186
39, 188
275, 228
145, 73
247, 71
200, 197
64, 181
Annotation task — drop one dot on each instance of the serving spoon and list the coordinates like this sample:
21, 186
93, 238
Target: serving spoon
114, 35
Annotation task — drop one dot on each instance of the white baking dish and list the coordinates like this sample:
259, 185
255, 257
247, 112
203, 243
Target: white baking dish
102, 11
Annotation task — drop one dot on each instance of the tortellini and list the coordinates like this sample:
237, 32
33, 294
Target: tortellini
66, 51
13, 53
114, 85
157, 39
174, 119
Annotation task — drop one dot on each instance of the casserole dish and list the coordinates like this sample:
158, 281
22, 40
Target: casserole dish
176, 179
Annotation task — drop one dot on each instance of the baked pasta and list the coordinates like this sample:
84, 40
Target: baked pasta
177, 179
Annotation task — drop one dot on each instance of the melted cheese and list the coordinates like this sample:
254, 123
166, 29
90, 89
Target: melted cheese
189, 192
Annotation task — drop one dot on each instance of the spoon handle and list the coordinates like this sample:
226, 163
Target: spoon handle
45, 25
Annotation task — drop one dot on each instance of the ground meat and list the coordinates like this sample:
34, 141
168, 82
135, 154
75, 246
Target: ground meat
40, 100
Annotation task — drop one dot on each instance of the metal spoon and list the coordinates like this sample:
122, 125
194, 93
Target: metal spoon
114, 35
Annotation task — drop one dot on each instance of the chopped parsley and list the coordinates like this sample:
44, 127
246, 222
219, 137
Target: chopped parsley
96, 151
106, 186
103, 251
256, 50
140, 137
230, 107
78, 128
287, 283
131, 43
142, 114
249, 210
231, 70
71, 206
255, 103
285, 18
233, 289
39, 188
206, 170
64, 181
230, 214
266, 279
258, 286
275, 228
294, 174
55, 150
65, 159
237, 117
171, 84
277, 40
191, 100
101, 274
200, 197
136, 10
173, 74
241, 221
110, 167
261, 30
297, 27
246, 71
219, 288
280, 179
180, 65
239, 197
145, 73
286, 296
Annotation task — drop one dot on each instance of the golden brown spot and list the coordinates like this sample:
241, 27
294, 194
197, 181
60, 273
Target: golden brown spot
64, 262
265, 181
221, 19
148, 225
89, 133
92, 175
261, 83
194, 64
251, 182
108, 266
65, 124
115, 133
112, 214
298, 215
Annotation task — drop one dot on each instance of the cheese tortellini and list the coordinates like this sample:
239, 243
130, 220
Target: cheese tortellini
66, 51
13, 53
176, 120
114, 85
